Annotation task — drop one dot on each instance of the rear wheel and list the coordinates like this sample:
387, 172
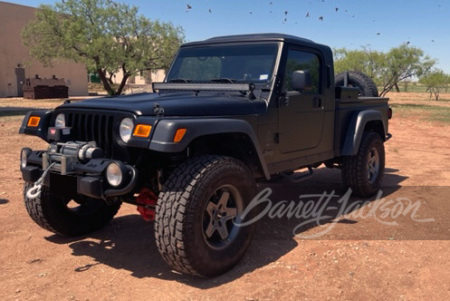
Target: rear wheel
67, 216
363, 172
198, 214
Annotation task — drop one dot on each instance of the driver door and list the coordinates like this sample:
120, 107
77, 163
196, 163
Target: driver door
301, 111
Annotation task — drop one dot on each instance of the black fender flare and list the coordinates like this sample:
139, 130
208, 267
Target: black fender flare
165, 130
41, 130
356, 128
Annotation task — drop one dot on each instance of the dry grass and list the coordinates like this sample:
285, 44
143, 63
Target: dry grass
403, 98
420, 106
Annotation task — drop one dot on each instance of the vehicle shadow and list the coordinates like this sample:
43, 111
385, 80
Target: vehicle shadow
128, 241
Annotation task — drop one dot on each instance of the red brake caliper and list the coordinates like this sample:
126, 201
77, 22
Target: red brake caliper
146, 204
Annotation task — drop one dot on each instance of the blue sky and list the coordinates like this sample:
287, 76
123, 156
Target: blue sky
381, 24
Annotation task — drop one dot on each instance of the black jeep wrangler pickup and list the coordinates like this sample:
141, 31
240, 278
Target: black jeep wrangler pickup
232, 111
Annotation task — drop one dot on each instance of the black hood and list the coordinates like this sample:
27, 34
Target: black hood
176, 104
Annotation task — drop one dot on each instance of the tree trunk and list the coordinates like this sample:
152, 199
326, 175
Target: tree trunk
123, 83
105, 82
385, 91
110, 79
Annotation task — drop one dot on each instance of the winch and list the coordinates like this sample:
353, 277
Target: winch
84, 151
69, 153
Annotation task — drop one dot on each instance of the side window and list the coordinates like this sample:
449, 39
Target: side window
307, 62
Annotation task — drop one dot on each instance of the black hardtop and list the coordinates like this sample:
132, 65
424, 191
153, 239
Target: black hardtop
259, 37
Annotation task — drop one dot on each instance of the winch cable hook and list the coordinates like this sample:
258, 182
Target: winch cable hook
36, 190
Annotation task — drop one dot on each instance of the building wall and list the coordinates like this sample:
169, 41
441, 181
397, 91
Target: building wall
14, 56
141, 82
145, 79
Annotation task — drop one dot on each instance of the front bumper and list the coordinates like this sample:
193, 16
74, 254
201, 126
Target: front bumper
69, 175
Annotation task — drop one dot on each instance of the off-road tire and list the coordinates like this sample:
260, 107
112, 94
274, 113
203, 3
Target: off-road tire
183, 215
364, 172
366, 85
50, 211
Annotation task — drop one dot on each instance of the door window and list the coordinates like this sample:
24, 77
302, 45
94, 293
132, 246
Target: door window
307, 62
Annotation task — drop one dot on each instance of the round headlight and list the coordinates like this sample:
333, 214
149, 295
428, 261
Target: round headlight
60, 121
126, 129
114, 174
24, 157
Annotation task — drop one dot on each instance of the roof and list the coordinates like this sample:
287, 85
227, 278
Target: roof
260, 37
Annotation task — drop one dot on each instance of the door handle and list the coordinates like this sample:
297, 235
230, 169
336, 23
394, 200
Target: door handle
317, 102
283, 100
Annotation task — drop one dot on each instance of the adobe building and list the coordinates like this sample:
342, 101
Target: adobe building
15, 63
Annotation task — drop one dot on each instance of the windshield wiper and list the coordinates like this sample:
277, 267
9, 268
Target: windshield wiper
223, 80
179, 80
196, 87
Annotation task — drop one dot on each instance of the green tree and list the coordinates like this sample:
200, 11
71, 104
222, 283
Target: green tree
108, 37
435, 81
386, 69
401, 63
366, 60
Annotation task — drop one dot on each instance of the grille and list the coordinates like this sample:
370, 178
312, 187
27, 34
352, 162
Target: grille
98, 127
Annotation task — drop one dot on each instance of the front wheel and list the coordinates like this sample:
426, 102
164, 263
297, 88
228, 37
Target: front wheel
198, 215
66, 216
364, 172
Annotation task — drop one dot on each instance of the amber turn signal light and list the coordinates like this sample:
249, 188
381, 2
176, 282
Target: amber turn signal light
179, 135
142, 130
33, 121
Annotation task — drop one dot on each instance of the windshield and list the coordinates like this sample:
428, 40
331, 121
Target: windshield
229, 63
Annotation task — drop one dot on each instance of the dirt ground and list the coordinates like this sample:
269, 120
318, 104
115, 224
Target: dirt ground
392, 248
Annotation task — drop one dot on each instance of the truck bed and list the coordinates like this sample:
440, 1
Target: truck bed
347, 109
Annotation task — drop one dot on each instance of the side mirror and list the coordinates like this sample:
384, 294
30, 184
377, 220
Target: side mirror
301, 80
